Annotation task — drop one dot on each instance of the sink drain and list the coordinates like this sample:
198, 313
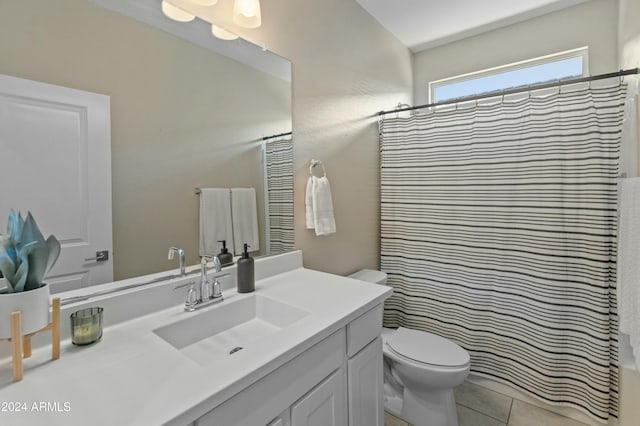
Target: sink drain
234, 350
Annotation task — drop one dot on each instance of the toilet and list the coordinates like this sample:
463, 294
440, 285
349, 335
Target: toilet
420, 371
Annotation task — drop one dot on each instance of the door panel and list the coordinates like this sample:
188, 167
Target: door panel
56, 155
366, 386
325, 405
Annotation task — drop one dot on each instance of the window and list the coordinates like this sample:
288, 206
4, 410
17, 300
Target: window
564, 65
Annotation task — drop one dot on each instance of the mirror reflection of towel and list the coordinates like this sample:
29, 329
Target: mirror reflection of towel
244, 215
215, 220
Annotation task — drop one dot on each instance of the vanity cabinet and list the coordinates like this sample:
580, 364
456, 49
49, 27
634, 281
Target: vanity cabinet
365, 369
336, 382
366, 383
325, 405
267, 399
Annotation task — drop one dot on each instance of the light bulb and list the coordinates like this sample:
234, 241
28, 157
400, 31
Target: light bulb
176, 13
246, 13
222, 34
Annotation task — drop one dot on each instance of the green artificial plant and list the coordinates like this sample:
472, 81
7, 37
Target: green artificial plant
25, 256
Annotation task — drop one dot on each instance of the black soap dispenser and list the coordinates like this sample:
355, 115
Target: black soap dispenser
246, 276
224, 256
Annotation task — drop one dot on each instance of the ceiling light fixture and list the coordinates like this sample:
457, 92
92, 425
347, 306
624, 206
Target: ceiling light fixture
222, 34
176, 13
204, 2
246, 13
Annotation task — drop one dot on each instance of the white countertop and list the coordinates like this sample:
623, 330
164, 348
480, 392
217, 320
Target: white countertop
133, 377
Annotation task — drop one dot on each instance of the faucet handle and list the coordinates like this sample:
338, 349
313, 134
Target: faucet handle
217, 289
192, 297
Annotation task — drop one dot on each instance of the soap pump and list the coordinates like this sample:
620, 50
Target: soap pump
225, 257
246, 276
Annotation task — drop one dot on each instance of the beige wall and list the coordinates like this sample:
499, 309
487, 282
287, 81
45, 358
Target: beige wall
629, 34
346, 67
592, 24
181, 116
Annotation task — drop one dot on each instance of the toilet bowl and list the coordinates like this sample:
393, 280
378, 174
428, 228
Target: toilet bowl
420, 371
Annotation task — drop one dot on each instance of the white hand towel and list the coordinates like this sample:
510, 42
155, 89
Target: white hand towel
629, 263
324, 222
215, 220
244, 215
308, 204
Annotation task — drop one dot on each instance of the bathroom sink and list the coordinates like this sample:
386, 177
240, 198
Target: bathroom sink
231, 326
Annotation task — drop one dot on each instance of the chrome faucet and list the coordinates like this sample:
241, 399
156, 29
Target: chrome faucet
209, 293
217, 292
205, 285
172, 252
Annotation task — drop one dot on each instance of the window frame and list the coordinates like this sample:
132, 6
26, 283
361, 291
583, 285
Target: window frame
580, 52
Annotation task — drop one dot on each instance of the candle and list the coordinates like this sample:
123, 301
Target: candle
85, 333
86, 326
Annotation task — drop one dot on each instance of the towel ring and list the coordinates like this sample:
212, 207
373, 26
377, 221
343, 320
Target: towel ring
315, 163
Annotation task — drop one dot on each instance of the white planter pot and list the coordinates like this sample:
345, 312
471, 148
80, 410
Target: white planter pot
34, 308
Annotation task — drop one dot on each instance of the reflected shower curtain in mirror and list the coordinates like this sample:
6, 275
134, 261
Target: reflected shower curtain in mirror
498, 231
279, 194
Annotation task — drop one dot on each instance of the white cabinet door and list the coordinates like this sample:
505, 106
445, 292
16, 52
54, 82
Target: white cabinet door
325, 405
366, 397
55, 146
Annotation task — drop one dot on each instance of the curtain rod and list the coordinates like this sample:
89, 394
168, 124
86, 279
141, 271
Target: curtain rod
519, 90
277, 136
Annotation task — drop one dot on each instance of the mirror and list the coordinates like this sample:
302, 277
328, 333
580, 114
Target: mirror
182, 115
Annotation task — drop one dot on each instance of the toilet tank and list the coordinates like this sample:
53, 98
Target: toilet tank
371, 276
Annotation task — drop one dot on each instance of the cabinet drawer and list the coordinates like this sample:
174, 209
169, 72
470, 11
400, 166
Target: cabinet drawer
261, 402
364, 329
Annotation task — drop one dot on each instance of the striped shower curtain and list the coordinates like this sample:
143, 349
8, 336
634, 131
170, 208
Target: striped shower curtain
498, 231
279, 194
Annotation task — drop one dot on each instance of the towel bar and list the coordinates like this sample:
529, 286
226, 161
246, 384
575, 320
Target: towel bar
315, 163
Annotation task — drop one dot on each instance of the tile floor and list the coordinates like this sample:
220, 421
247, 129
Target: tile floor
478, 406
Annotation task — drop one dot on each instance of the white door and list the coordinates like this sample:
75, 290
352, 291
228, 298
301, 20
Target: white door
325, 405
56, 162
366, 381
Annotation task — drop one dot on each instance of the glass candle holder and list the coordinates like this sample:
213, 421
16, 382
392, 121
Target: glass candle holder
86, 326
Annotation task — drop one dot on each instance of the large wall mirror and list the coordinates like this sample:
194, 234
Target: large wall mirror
187, 111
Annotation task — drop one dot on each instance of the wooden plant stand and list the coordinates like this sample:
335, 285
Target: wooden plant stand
21, 345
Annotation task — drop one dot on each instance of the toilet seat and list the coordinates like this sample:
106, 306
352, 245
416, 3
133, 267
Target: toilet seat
426, 348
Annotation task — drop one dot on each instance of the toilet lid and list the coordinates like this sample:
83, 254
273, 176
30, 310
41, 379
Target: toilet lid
427, 348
